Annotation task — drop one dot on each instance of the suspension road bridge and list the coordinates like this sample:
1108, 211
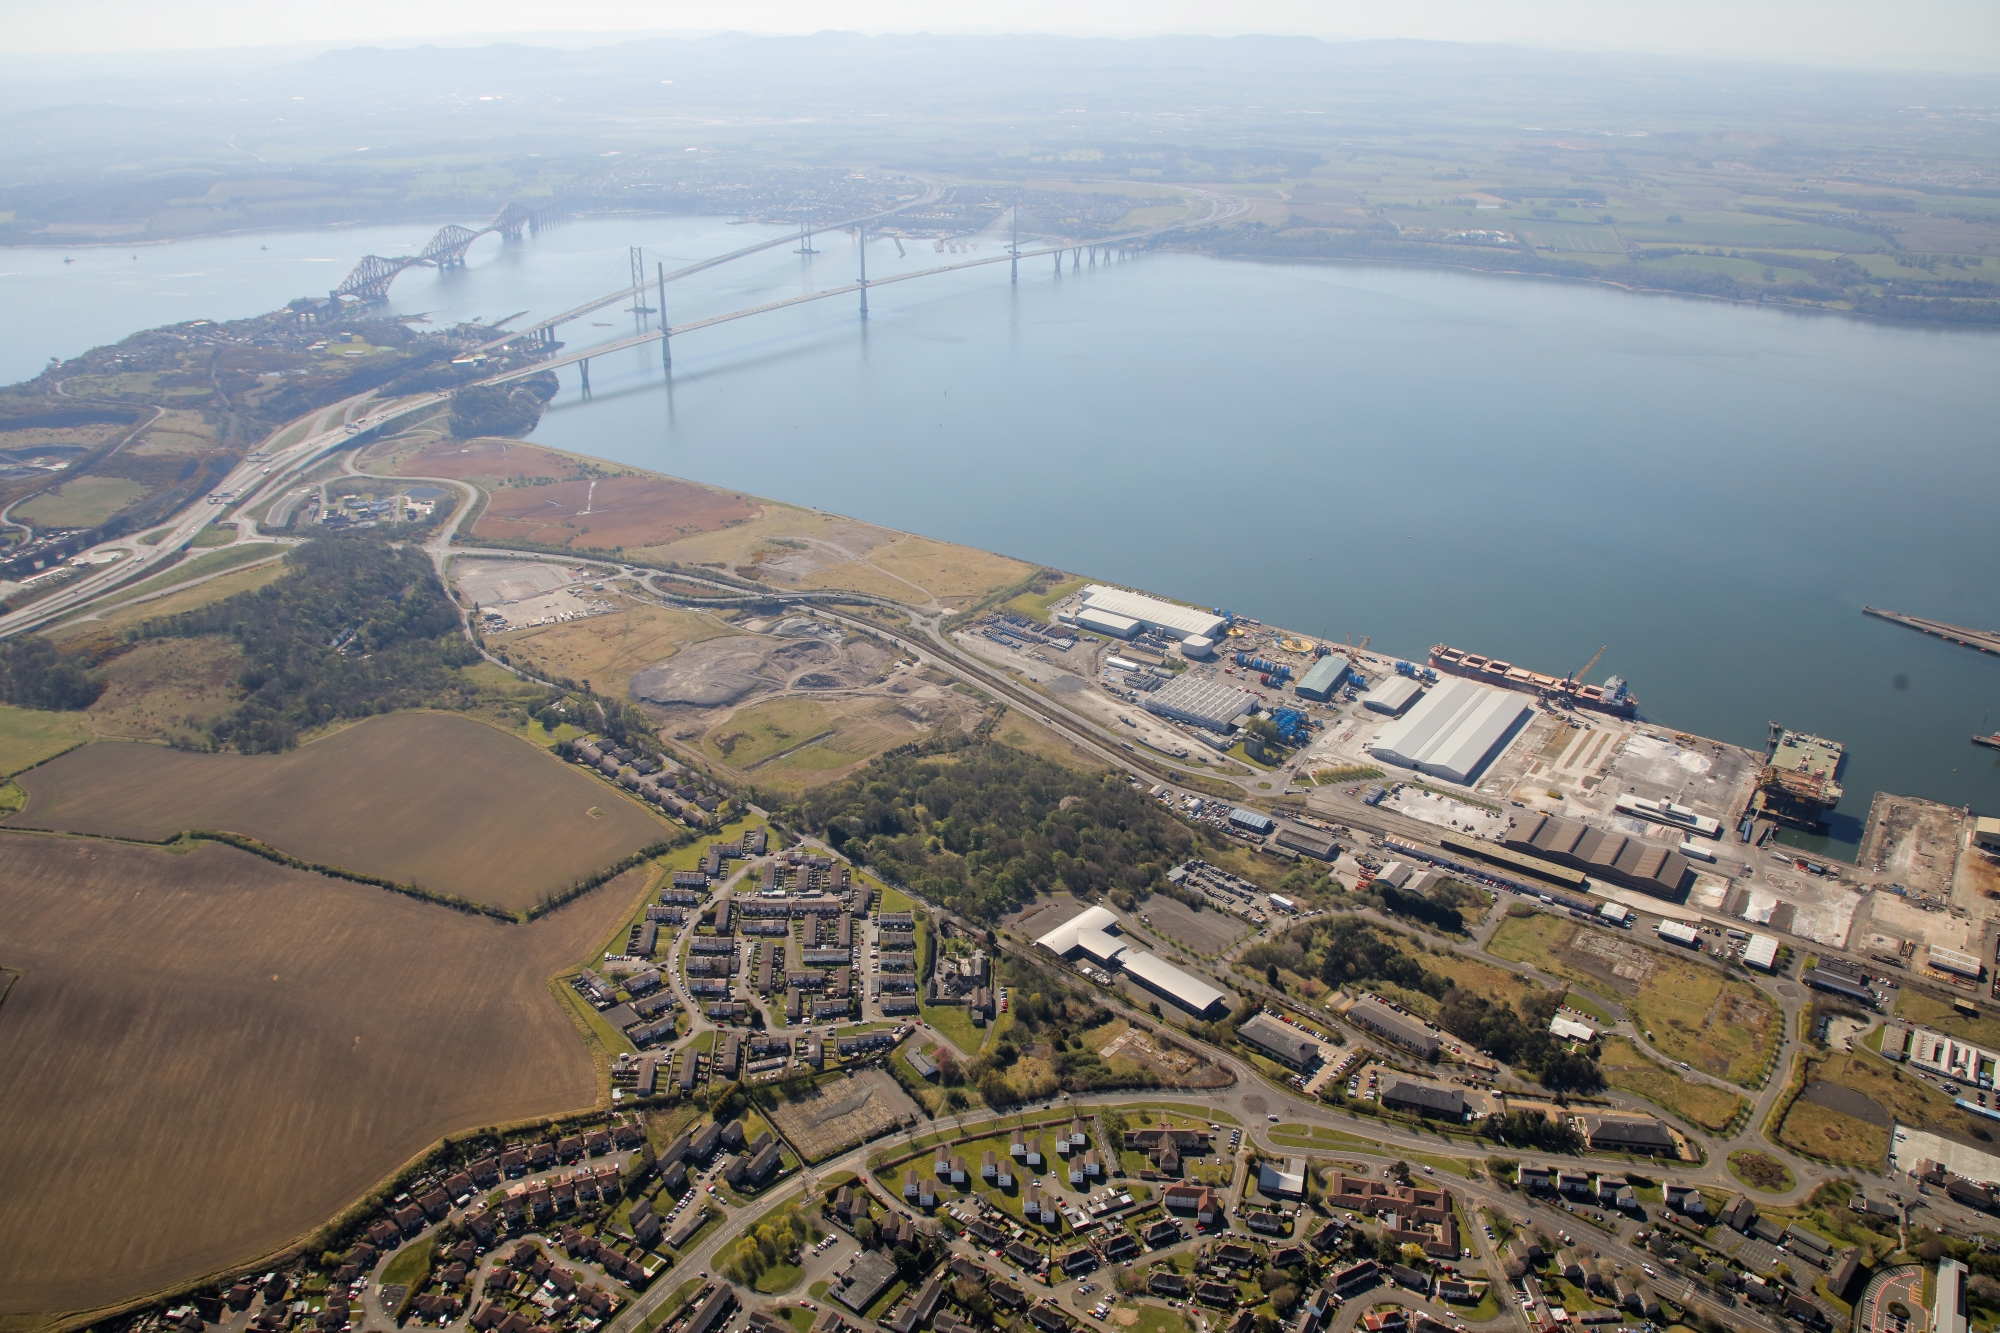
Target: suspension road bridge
545, 330
1220, 207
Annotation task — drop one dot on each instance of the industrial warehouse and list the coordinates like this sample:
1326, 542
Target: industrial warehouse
1649, 867
1123, 614
1455, 732
1089, 932
1210, 704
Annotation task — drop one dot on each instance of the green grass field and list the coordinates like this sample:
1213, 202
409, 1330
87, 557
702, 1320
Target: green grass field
226, 584
83, 503
215, 534
1695, 1013
1701, 1104
768, 729
410, 1266
1145, 1318
955, 1022
29, 735
213, 563
778, 1278
1931, 1012
1037, 604
1584, 1004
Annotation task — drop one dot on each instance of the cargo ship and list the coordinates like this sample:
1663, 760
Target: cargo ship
1800, 781
1990, 742
1611, 697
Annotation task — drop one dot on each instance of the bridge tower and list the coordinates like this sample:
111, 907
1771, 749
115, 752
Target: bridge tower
667, 351
1014, 249
863, 250
639, 307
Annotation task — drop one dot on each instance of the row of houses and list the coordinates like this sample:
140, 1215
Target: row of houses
676, 794
1607, 1191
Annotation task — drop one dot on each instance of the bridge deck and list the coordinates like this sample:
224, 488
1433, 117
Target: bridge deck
640, 339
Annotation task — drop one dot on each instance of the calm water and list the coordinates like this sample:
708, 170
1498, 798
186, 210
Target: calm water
1521, 468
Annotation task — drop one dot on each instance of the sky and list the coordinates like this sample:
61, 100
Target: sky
1945, 34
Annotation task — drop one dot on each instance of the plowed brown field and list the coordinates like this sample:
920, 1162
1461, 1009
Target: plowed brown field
547, 497
444, 802
207, 1055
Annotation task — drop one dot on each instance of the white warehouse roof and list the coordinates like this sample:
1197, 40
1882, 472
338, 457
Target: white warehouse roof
1171, 619
1106, 622
1063, 939
1391, 696
1761, 953
1453, 732
1164, 978
1104, 948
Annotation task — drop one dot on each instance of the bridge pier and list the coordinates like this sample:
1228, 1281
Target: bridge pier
584, 366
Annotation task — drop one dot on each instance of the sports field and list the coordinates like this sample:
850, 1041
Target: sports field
209, 1055
443, 802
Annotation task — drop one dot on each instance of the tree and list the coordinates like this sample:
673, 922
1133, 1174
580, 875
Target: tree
1271, 976
34, 675
1263, 728
864, 1231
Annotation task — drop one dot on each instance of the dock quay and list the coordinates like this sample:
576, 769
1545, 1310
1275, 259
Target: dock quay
1985, 640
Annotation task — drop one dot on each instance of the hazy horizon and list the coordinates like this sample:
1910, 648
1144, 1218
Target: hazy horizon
1957, 36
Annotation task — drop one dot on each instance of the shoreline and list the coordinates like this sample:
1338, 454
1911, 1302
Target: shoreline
1990, 327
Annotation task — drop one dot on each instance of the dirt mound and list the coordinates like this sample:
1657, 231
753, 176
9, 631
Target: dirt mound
705, 675
720, 672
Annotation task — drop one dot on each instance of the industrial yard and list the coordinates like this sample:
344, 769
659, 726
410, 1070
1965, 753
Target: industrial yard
1551, 776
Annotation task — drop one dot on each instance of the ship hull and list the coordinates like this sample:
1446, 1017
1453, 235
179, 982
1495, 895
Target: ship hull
1990, 742
1505, 675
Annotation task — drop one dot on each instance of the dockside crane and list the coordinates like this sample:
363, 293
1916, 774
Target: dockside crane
1576, 677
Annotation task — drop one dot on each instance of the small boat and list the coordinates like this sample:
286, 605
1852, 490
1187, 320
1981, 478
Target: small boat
1990, 742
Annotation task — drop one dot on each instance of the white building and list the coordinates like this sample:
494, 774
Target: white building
1679, 932
1105, 622
1761, 953
1090, 932
1948, 1305
1166, 618
1454, 732
1570, 1030
1952, 1058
